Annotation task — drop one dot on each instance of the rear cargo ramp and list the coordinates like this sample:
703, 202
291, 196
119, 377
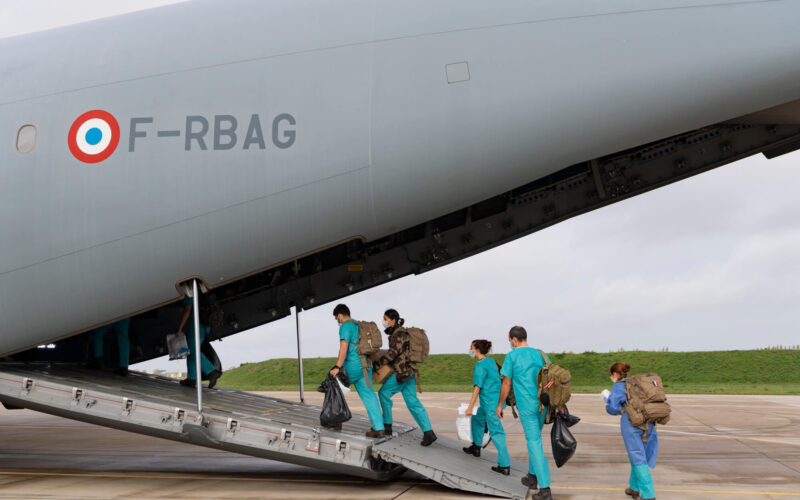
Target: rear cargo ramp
247, 423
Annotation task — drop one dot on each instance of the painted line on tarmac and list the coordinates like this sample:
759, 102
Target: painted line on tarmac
701, 492
181, 477
717, 436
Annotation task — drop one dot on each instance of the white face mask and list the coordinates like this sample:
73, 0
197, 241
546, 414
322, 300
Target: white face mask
385, 324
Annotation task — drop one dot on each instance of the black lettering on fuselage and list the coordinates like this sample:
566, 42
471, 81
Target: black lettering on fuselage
135, 133
229, 132
197, 135
289, 136
254, 134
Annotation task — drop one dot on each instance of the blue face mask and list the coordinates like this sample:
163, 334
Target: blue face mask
471, 354
512, 346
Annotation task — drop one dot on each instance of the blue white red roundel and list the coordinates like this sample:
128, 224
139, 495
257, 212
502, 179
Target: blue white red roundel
94, 136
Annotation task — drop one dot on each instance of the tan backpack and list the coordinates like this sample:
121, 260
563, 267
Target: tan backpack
370, 341
554, 382
647, 401
420, 346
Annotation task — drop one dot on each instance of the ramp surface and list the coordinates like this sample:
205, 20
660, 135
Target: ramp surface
446, 463
247, 423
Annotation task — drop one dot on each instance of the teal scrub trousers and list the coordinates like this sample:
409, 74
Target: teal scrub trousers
121, 331
642, 481
367, 394
206, 366
409, 390
532, 423
480, 421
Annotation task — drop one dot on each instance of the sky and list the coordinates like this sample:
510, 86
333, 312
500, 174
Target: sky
709, 263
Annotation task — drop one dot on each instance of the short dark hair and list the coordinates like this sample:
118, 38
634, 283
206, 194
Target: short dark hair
484, 346
341, 309
518, 333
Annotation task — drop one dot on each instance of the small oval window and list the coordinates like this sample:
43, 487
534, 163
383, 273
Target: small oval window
26, 139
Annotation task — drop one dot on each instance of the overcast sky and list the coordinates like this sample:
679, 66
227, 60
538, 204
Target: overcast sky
708, 263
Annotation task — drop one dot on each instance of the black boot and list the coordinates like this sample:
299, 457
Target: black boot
472, 449
122, 370
428, 437
387, 429
543, 494
502, 470
530, 481
213, 377
188, 382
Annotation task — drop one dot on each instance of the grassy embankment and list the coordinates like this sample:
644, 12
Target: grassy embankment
718, 372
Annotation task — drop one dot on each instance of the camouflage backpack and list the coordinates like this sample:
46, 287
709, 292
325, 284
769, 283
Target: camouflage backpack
555, 387
370, 341
647, 401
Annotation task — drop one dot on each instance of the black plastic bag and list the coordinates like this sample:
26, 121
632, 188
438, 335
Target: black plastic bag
564, 443
211, 354
334, 408
569, 419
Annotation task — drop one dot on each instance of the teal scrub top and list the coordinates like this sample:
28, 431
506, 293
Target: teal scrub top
348, 332
522, 366
487, 377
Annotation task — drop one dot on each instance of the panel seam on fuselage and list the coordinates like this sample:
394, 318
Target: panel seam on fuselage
378, 41
204, 214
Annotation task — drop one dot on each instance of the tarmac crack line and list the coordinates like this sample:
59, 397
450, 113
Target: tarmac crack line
404, 491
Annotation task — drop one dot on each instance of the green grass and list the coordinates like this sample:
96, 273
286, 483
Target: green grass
716, 372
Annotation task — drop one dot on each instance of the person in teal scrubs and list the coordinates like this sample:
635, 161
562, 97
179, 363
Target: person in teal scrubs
521, 367
642, 455
120, 329
349, 359
404, 379
486, 379
206, 366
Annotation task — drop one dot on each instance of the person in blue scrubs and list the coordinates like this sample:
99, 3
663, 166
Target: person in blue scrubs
206, 366
486, 382
403, 380
349, 359
521, 367
120, 329
642, 455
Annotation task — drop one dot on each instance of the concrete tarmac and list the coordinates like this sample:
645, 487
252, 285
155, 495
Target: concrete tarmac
718, 447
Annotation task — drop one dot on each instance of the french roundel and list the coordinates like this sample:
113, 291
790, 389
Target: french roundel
94, 136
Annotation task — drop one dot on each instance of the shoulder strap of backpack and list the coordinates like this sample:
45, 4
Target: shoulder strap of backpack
544, 357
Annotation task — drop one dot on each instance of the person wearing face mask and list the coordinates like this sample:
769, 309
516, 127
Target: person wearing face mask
521, 367
640, 454
349, 358
486, 379
404, 379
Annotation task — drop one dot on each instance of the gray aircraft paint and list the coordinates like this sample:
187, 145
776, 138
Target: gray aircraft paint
382, 140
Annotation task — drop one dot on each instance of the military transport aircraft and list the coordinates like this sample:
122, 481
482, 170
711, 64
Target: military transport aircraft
287, 154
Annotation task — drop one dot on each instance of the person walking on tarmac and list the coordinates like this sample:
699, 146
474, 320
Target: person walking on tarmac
521, 367
486, 379
403, 380
206, 366
641, 454
120, 329
348, 358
